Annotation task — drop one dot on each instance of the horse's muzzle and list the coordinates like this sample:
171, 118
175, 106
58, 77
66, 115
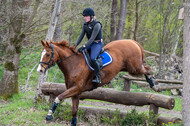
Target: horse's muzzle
40, 69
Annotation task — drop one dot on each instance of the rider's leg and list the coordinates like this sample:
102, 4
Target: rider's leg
95, 50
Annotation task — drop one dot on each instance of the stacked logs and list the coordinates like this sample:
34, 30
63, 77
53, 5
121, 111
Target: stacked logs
120, 97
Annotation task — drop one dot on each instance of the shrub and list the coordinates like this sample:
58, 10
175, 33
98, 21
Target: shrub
132, 118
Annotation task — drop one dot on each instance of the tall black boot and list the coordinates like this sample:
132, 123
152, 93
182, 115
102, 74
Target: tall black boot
97, 79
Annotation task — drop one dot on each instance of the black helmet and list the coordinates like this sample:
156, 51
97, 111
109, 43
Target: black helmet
88, 12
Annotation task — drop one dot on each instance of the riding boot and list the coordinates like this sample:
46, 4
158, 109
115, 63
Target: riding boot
96, 79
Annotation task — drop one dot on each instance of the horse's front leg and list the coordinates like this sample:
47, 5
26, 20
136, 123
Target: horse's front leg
75, 103
73, 91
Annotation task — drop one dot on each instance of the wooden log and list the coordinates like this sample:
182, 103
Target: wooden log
170, 86
152, 53
99, 112
111, 95
158, 80
162, 86
168, 120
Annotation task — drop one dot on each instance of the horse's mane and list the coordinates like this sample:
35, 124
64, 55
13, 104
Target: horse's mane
64, 43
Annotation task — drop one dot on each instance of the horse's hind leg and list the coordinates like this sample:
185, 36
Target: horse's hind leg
151, 82
147, 73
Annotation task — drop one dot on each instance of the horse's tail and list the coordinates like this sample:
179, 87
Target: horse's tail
147, 67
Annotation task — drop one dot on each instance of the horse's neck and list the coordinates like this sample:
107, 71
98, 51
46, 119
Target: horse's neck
63, 52
68, 60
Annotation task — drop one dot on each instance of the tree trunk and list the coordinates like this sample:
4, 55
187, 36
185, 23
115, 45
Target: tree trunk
164, 38
129, 21
186, 68
4, 31
9, 82
122, 19
58, 29
136, 20
51, 30
113, 20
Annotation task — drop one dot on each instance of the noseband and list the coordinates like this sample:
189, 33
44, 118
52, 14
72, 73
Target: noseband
52, 59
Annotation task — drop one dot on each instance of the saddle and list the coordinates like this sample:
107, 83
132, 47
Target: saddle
104, 59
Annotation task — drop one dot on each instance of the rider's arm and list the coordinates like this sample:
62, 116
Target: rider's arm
95, 32
80, 37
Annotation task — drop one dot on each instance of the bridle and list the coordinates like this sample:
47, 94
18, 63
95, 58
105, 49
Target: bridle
52, 59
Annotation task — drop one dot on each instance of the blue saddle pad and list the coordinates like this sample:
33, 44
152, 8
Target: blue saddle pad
105, 56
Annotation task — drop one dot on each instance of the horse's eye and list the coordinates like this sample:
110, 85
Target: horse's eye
47, 55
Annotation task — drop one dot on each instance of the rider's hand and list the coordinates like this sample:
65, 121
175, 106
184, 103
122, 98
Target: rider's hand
74, 46
81, 48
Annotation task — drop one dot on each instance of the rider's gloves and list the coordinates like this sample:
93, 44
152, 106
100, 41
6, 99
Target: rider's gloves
81, 48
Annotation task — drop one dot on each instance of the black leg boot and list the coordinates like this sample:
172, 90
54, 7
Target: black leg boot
51, 111
150, 81
74, 122
97, 79
152, 84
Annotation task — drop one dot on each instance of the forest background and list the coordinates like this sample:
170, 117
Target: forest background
154, 24
24, 23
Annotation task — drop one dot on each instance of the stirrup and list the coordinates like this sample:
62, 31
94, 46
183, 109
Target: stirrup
96, 80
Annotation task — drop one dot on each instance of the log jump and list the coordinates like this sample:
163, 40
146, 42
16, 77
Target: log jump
120, 97
111, 95
163, 84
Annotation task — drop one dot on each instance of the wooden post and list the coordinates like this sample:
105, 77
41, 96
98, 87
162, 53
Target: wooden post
51, 98
153, 108
127, 85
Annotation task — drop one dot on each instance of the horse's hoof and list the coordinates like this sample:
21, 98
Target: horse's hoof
73, 122
49, 117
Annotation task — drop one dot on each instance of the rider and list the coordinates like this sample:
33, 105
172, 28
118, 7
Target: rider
93, 30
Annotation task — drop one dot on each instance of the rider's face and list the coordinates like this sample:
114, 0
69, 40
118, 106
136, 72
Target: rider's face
86, 18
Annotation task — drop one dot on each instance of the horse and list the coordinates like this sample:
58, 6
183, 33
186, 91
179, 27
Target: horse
128, 55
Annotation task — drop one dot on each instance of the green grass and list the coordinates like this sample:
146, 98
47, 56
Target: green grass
21, 111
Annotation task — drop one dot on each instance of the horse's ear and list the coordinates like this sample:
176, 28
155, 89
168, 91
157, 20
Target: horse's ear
48, 44
43, 43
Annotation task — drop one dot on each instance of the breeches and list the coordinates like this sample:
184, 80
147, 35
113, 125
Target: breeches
94, 50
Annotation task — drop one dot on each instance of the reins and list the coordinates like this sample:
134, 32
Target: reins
66, 58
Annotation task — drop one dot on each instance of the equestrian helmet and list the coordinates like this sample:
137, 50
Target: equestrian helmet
88, 12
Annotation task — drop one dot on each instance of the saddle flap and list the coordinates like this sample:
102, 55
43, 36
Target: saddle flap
104, 58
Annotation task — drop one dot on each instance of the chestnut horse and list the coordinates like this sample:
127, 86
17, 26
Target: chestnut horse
127, 56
